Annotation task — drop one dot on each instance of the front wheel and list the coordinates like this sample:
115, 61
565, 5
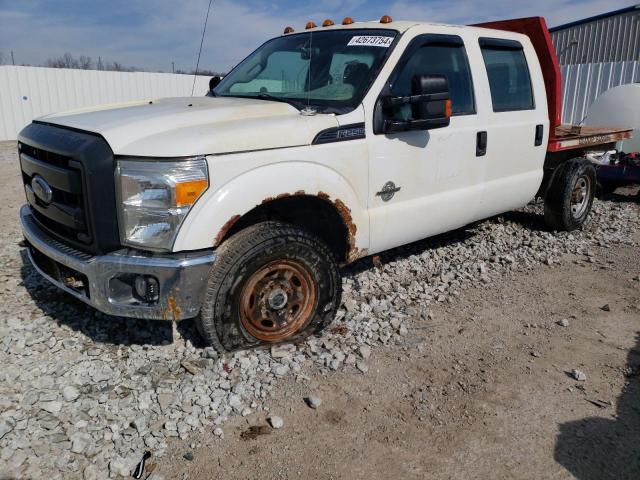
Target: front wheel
271, 283
569, 198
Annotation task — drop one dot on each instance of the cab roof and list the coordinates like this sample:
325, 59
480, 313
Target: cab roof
399, 26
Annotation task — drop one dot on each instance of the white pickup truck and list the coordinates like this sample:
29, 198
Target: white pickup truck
320, 148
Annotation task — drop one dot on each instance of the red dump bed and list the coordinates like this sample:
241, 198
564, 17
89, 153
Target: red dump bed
561, 137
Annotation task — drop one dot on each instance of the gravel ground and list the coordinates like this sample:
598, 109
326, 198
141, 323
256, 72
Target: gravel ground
83, 395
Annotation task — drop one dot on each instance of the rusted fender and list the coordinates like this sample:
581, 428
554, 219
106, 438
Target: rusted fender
216, 213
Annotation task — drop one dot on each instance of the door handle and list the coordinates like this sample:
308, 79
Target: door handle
539, 135
481, 144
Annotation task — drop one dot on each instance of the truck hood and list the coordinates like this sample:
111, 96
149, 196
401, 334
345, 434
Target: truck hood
176, 127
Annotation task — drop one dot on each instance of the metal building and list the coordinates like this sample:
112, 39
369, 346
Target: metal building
609, 37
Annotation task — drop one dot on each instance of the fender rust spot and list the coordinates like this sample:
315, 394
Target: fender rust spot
354, 252
225, 229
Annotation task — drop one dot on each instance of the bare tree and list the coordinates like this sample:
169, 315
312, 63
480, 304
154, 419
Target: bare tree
85, 62
116, 67
65, 61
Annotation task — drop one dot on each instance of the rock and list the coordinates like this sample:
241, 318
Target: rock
363, 367
6, 426
536, 354
188, 456
283, 351
365, 351
80, 442
605, 308
313, 401
564, 323
70, 393
275, 421
91, 472
119, 466
578, 375
235, 401
280, 370
189, 367
164, 400
218, 432
51, 407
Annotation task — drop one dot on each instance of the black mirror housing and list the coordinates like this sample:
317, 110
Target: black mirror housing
430, 105
437, 88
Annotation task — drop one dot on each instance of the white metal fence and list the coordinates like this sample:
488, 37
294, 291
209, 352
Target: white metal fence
30, 92
582, 84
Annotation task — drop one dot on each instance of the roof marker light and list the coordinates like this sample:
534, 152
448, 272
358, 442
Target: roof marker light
310, 25
347, 21
386, 19
328, 23
288, 30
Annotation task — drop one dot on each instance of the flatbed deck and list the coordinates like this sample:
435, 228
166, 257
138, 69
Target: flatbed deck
570, 137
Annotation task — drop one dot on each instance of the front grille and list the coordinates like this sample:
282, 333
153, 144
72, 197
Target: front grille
64, 214
73, 199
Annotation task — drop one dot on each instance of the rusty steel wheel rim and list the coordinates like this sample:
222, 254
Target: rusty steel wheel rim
277, 301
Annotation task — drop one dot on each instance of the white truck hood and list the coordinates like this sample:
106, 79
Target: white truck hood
176, 127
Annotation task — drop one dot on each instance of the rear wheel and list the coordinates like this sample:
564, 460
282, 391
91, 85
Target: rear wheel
271, 283
569, 198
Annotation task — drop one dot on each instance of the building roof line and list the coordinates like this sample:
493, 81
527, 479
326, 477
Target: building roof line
596, 17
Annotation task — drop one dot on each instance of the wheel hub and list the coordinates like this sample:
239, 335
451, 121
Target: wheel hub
277, 300
580, 196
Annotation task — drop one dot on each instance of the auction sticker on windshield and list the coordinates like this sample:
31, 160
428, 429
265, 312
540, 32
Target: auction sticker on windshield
371, 41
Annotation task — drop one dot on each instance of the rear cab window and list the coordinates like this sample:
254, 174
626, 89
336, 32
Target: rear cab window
508, 73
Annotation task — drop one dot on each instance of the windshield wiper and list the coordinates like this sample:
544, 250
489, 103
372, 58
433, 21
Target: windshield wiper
268, 96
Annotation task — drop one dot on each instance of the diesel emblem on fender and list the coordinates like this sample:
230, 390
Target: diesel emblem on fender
388, 191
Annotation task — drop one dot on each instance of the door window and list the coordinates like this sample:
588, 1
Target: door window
508, 74
437, 58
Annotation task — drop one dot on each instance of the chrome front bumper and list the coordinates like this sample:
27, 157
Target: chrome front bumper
106, 281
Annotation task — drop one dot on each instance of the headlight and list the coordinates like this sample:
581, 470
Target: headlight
155, 197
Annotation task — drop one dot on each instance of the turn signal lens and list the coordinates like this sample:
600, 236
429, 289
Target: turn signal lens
288, 30
447, 108
386, 19
347, 21
327, 23
310, 25
188, 192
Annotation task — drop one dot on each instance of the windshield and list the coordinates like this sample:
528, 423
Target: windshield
330, 70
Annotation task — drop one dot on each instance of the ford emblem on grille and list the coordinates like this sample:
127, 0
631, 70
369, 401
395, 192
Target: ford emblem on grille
41, 189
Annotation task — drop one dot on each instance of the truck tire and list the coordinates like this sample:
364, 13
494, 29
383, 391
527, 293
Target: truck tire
270, 283
569, 197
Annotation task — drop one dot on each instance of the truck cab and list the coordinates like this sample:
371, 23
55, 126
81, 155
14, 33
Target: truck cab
321, 147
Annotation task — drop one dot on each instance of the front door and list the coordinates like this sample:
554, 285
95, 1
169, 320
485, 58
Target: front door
422, 183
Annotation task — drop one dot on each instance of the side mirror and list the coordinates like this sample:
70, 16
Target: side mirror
430, 105
214, 82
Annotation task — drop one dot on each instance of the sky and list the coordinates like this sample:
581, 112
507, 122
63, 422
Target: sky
151, 34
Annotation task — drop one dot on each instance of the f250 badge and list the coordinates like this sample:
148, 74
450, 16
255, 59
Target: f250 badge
388, 191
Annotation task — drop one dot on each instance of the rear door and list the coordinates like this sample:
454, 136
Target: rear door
517, 124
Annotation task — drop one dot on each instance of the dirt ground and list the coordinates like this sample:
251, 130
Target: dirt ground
486, 392
483, 389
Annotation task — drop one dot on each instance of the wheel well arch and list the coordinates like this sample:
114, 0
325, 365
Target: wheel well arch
329, 219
